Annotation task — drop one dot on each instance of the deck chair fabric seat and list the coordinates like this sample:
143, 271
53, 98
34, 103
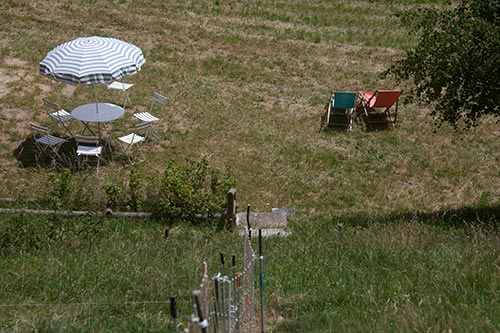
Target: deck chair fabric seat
146, 117
88, 150
61, 115
339, 111
379, 107
86, 147
132, 138
50, 140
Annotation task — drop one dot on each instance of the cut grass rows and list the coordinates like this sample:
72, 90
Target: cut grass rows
247, 83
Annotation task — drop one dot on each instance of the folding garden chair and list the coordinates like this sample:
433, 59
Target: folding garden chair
123, 87
87, 147
61, 117
135, 139
158, 101
375, 107
339, 111
46, 143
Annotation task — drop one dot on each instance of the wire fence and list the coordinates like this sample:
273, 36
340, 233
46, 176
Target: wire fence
87, 304
226, 302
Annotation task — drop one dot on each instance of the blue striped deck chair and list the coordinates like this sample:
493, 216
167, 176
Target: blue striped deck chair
339, 111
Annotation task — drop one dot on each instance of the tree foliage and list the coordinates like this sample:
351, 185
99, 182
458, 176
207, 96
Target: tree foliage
455, 65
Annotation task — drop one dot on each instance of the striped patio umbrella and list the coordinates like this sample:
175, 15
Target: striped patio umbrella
92, 60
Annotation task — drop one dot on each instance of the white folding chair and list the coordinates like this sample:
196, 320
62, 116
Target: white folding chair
46, 143
158, 101
61, 117
86, 147
135, 139
123, 87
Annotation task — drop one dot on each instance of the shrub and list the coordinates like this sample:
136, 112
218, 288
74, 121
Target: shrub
190, 190
113, 193
133, 201
61, 194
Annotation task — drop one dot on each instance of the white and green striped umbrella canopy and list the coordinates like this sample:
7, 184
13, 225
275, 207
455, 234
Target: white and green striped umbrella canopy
89, 60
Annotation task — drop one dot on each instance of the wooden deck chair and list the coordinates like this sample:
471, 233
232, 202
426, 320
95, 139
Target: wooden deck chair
46, 143
87, 147
376, 106
135, 139
157, 105
61, 117
339, 111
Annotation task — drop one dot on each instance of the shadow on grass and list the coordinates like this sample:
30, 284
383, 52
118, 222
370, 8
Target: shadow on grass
458, 217
27, 150
465, 216
373, 121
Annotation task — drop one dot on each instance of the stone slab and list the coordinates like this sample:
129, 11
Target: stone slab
286, 210
262, 220
269, 232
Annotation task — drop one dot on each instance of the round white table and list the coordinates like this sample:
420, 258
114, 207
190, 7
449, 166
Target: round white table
97, 113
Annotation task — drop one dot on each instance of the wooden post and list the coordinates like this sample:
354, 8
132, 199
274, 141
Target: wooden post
231, 209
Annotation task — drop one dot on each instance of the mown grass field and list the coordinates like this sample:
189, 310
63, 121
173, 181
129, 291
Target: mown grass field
247, 83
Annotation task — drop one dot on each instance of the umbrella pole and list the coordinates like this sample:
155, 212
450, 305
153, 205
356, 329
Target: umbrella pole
96, 101
97, 111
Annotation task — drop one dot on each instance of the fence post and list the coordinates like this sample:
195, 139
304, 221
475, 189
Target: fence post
173, 312
231, 209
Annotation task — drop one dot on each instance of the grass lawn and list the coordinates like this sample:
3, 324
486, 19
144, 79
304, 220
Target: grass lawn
396, 230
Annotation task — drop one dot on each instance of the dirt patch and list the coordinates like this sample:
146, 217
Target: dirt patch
15, 62
68, 90
14, 113
45, 88
4, 80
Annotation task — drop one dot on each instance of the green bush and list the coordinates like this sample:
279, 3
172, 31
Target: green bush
113, 193
133, 201
62, 191
190, 190
121, 198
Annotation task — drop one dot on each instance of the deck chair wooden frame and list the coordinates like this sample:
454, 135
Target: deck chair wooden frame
62, 118
46, 143
87, 147
157, 101
339, 111
135, 139
376, 107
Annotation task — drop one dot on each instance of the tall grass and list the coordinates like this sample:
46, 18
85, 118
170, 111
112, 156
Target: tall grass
343, 273
400, 276
100, 274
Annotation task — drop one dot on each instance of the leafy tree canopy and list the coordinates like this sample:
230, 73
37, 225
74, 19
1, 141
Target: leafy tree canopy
456, 63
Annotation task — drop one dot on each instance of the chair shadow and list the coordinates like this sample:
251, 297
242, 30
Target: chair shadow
339, 122
375, 121
26, 151
334, 128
